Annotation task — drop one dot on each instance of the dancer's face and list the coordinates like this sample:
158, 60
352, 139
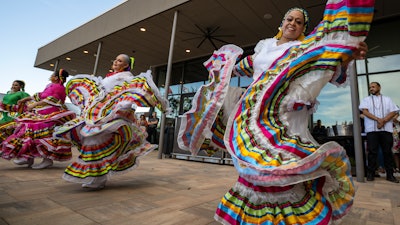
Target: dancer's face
119, 64
54, 78
15, 87
293, 25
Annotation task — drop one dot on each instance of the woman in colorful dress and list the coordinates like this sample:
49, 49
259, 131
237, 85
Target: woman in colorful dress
285, 176
106, 134
33, 134
396, 143
143, 122
10, 109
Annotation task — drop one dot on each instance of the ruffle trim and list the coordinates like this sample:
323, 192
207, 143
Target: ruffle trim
297, 105
138, 153
207, 102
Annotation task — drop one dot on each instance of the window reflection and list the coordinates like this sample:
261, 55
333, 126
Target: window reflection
335, 102
245, 81
389, 84
335, 105
383, 64
362, 87
191, 87
174, 103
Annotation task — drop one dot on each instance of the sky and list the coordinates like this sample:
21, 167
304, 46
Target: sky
28, 25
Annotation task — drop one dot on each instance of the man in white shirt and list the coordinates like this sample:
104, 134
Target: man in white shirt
379, 111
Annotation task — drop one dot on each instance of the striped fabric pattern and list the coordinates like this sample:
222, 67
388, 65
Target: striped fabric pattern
82, 89
106, 135
196, 124
113, 154
245, 67
285, 179
37, 130
135, 91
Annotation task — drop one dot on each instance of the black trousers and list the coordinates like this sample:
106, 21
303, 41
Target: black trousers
384, 140
152, 135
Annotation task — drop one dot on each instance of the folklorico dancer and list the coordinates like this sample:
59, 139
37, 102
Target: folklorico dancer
10, 109
106, 134
285, 176
33, 134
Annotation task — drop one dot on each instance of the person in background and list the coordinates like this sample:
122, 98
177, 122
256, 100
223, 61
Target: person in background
319, 132
152, 128
107, 135
33, 134
143, 122
10, 109
379, 111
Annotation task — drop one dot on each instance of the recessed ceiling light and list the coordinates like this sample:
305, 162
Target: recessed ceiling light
68, 58
143, 29
267, 16
86, 52
51, 64
187, 50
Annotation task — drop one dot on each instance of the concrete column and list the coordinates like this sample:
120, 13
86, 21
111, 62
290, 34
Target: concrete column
97, 58
56, 65
355, 102
167, 81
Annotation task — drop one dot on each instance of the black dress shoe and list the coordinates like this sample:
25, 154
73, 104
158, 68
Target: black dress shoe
370, 177
392, 179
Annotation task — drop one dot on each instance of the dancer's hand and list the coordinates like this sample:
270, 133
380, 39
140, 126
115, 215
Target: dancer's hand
30, 106
361, 51
22, 101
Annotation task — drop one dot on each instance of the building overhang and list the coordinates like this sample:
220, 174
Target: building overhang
202, 26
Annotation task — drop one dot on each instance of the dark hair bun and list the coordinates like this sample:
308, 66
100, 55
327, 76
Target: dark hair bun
62, 75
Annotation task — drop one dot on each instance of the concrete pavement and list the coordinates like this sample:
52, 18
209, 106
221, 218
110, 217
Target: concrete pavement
160, 191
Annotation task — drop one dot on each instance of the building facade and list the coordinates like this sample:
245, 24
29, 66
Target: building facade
177, 36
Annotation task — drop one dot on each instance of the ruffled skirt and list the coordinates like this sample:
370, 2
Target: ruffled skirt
32, 137
316, 190
106, 134
106, 150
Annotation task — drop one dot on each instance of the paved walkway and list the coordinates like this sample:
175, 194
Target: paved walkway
159, 191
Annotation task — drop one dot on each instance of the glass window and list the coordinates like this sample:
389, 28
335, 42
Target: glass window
245, 81
360, 64
176, 75
161, 74
335, 105
383, 63
335, 102
185, 103
191, 87
362, 87
234, 82
389, 85
195, 71
174, 103
174, 89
